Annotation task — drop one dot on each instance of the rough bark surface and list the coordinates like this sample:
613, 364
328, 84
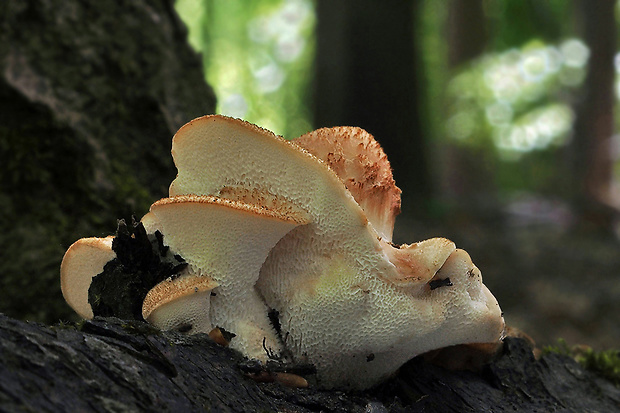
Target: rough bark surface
90, 96
109, 365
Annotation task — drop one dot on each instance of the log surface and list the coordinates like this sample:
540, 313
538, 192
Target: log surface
110, 365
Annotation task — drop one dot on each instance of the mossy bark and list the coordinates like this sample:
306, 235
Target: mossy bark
90, 96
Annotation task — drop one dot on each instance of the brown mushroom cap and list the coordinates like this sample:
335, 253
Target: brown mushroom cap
180, 301
359, 161
82, 261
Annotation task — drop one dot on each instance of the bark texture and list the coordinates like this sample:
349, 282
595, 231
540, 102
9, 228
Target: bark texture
110, 365
90, 96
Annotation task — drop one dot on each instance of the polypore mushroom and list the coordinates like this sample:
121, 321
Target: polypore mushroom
180, 303
232, 159
264, 224
348, 300
84, 259
359, 161
227, 241
111, 276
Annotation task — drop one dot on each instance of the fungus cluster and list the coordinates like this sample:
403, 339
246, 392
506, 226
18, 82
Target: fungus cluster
301, 229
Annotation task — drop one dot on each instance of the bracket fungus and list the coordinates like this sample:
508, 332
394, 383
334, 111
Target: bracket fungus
228, 241
302, 229
180, 303
84, 259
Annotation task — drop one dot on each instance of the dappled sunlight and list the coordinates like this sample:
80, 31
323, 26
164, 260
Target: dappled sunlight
259, 62
537, 129
516, 99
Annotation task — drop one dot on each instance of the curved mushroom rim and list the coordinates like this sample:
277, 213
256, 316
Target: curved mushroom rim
250, 126
282, 215
75, 277
172, 288
267, 134
373, 189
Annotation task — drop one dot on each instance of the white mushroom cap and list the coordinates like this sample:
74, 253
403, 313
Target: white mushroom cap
359, 161
180, 301
220, 235
341, 290
150, 224
82, 261
229, 241
233, 159
419, 262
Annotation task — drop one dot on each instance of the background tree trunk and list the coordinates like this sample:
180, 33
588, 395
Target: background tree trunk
366, 74
467, 32
90, 96
465, 172
597, 194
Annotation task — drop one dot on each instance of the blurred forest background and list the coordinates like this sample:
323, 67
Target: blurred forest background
498, 117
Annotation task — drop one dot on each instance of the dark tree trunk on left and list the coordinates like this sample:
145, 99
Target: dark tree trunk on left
90, 96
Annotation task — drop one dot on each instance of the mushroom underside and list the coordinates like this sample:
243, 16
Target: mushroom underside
228, 241
304, 229
393, 324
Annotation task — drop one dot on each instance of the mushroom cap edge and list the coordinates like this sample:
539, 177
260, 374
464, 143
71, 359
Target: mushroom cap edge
84, 259
170, 289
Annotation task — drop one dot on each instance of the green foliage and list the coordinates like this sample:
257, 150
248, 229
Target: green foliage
515, 107
514, 22
257, 56
606, 363
512, 107
516, 100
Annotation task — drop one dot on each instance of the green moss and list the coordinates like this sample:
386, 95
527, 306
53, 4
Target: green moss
561, 348
606, 363
85, 132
